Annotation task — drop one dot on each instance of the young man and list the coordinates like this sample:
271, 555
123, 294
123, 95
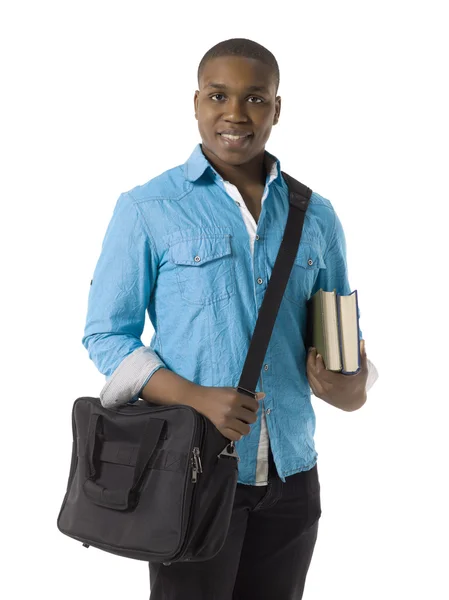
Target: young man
195, 247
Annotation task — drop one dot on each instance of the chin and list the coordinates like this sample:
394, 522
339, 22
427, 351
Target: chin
231, 156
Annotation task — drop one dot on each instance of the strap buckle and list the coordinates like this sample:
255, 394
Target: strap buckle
243, 390
230, 451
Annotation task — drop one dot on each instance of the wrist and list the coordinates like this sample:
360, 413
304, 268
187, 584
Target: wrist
195, 395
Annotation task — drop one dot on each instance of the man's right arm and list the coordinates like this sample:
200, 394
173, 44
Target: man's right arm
120, 291
167, 388
232, 413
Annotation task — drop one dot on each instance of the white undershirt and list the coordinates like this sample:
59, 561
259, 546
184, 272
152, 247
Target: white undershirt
251, 226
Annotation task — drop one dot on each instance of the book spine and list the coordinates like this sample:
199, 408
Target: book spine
323, 326
358, 338
340, 332
358, 329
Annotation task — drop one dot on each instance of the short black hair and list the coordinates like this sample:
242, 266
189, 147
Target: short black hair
245, 48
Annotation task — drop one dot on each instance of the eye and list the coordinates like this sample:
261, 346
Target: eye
254, 97
216, 95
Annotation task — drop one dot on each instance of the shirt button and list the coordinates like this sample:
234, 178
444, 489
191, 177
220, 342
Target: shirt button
260, 280
268, 411
310, 262
266, 367
257, 237
197, 259
238, 203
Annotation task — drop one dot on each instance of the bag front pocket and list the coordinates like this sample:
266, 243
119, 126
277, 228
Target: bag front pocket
204, 268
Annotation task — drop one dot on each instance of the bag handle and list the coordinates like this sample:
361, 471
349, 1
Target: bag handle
119, 499
299, 198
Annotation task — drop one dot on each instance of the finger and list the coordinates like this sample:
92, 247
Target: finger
319, 377
363, 355
323, 378
315, 384
324, 382
232, 435
239, 427
235, 429
249, 402
319, 365
311, 363
362, 348
316, 360
245, 415
311, 356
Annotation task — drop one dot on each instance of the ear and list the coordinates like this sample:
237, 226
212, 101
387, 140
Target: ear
277, 112
195, 103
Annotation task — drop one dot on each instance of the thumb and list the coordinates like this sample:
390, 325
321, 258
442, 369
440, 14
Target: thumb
260, 395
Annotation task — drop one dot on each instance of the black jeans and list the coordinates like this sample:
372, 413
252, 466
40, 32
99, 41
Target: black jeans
268, 550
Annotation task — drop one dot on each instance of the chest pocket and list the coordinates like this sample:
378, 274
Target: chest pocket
306, 268
204, 268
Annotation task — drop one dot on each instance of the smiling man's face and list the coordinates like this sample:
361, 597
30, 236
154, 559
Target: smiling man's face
237, 96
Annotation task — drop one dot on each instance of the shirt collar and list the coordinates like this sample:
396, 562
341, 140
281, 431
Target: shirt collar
197, 164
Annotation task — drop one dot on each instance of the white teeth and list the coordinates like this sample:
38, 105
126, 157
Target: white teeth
233, 137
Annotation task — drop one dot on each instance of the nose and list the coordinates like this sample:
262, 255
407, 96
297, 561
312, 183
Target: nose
236, 111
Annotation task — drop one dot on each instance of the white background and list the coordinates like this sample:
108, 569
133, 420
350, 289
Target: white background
98, 98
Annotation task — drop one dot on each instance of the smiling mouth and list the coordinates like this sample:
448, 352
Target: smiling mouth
233, 137
235, 141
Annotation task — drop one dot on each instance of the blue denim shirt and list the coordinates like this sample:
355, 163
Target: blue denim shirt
178, 248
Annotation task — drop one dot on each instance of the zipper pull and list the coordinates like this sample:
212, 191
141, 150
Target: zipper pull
197, 466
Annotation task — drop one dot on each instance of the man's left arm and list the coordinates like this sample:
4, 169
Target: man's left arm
348, 392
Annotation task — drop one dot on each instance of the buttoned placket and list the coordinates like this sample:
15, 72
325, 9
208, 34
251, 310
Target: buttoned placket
233, 191
262, 467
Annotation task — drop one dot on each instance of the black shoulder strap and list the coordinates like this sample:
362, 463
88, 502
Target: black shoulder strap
299, 197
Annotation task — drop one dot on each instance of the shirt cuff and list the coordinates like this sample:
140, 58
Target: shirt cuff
130, 377
373, 375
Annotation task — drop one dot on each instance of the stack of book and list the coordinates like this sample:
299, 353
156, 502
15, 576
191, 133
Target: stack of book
333, 329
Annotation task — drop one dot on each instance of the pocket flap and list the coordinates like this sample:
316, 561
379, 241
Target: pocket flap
200, 250
309, 257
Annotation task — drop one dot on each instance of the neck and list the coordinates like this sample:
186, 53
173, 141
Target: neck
250, 173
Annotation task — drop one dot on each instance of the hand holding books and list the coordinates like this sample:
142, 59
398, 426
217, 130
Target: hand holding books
333, 328
347, 392
337, 365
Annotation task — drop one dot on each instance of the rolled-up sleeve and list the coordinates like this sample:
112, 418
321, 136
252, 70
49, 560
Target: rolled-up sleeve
335, 276
120, 291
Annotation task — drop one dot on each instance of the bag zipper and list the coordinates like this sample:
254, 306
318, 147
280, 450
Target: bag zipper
197, 466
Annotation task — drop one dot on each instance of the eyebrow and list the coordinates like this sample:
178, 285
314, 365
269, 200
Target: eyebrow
251, 88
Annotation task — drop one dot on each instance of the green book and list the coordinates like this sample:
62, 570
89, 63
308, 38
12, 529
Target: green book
333, 329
